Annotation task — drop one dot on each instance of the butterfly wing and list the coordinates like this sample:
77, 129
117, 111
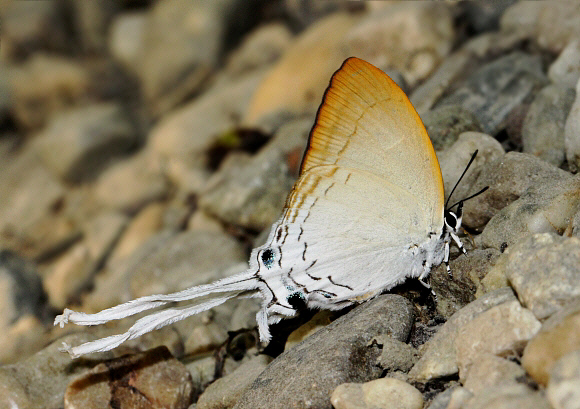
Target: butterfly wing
367, 210
366, 122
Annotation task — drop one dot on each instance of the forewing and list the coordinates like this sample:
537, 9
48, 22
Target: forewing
366, 122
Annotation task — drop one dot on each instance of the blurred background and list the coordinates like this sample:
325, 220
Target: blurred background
145, 145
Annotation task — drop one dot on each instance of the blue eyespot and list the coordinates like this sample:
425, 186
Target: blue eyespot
268, 258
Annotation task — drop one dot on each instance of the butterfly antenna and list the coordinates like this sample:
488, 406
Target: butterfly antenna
470, 197
459, 180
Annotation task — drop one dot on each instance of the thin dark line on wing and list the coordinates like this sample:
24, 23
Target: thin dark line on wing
328, 188
280, 258
339, 285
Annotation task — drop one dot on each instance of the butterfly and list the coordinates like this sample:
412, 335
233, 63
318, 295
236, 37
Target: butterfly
366, 213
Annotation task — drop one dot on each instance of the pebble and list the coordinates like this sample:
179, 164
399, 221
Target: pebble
21, 291
207, 117
565, 71
540, 209
488, 371
468, 271
261, 47
508, 397
226, 391
508, 177
552, 26
153, 379
308, 373
46, 85
384, 393
184, 260
571, 132
426, 94
543, 127
40, 380
169, 74
559, 335
503, 330
78, 144
32, 27
498, 88
321, 42
126, 37
543, 271
439, 354
444, 124
563, 390
453, 161
250, 191
132, 184
92, 23
377, 38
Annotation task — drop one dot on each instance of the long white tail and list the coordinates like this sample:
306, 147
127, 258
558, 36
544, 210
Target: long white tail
206, 297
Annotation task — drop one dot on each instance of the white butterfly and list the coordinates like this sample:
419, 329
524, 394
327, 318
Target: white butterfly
366, 213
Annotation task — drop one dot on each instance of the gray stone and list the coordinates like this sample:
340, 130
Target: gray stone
484, 16
78, 144
502, 330
455, 292
395, 355
196, 34
508, 178
185, 260
439, 355
453, 161
489, 370
259, 48
544, 271
563, 390
30, 26
323, 42
543, 128
308, 373
384, 393
508, 397
426, 95
560, 334
540, 209
428, 38
5, 95
182, 138
226, 391
454, 397
444, 125
565, 71
126, 35
40, 381
92, 20
73, 271
498, 88
551, 25
21, 289
152, 379
251, 191
131, 184
572, 133
34, 220
46, 85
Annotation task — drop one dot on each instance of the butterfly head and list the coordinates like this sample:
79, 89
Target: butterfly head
453, 219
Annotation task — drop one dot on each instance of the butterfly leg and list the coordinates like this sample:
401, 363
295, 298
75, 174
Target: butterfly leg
457, 241
446, 258
426, 270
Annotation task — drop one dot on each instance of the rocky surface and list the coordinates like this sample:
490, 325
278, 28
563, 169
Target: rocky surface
146, 147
